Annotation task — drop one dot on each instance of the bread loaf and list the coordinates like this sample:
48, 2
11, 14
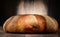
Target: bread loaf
30, 23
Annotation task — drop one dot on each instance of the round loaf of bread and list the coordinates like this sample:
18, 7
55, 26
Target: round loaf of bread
30, 23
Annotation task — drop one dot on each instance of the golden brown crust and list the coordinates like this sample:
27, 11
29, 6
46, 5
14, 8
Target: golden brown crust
41, 22
56, 24
51, 26
27, 22
6, 23
30, 24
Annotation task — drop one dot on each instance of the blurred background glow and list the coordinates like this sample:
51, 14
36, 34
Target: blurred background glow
33, 7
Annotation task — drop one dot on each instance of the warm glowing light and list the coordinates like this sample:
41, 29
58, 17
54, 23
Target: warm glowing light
36, 7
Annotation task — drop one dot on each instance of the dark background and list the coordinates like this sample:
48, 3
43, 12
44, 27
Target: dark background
8, 9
